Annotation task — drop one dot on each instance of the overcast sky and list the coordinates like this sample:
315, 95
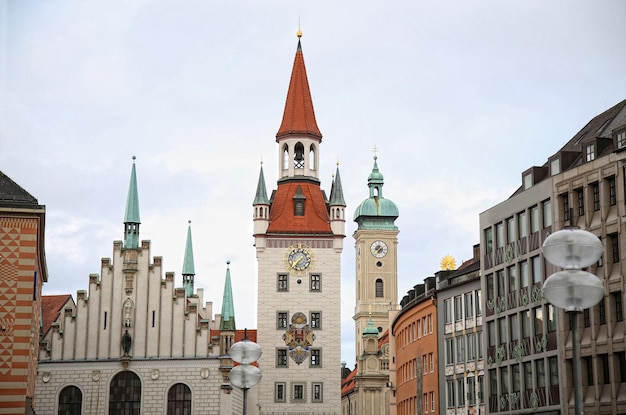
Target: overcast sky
458, 96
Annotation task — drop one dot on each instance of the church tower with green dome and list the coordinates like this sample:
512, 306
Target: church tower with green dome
376, 242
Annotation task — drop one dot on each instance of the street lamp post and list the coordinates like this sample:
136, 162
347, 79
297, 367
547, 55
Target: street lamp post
573, 289
245, 375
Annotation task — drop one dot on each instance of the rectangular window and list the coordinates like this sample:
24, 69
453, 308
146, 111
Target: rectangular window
460, 349
471, 347
469, 305
565, 205
553, 365
580, 198
430, 323
621, 362
595, 188
522, 224
479, 311
540, 373
316, 320
316, 357
500, 280
450, 351
424, 365
588, 367
512, 271
612, 192
604, 361
510, 230
431, 361
504, 380
316, 282
490, 287
538, 312
424, 326
281, 357
586, 317
283, 282
105, 321
471, 390
279, 392
460, 391
602, 311
590, 152
551, 318
458, 308
514, 327
493, 382
499, 235
281, 319
447, 310
515, 378
491, 333
614, 247
528, 375
523, 271
489, 240
528, 181
432, 401
317, 392
618, 305
547, 213
450, 394
502, 330
534, 219
536, 265
298, 392
525, 323
419, 331
480, 347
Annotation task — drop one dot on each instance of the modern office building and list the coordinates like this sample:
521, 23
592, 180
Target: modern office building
298, 235
22, 274
460, 333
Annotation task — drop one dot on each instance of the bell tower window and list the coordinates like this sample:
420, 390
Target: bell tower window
285, 157
312, 157
298, 160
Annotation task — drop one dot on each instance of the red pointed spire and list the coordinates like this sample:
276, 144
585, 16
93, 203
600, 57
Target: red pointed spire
299, 116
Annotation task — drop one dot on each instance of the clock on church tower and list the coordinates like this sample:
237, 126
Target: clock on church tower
376, 240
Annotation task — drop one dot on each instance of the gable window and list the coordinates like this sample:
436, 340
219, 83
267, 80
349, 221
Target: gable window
283, 282
298, 203
379, 288
590, 152
621, 139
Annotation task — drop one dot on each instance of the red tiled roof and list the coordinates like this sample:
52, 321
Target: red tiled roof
51, 306
282, 218
383, 339
299, 116
347, 384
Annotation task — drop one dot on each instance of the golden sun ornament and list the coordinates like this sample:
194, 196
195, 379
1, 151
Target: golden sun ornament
448, 263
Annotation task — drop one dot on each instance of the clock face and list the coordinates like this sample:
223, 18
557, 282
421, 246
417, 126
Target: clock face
298, 258
378, 249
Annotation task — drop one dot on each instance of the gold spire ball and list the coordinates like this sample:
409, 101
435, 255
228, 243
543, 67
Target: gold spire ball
448, 263
299, 33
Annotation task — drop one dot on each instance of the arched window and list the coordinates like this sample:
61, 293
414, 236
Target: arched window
125, 394
380, 292
298, 159
179, 400
312, 157
70, 401
285, 157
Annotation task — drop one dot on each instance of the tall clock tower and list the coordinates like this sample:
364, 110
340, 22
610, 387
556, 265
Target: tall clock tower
298, 236
376, 242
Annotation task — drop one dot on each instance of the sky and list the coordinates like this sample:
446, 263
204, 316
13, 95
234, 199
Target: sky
459, 97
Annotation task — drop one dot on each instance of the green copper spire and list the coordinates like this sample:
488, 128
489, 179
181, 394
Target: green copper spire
228, 308
376, 212
188, 268
131, 216
261, 192
336, 191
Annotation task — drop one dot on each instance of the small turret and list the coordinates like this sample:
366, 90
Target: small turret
376, 212
337, 206
188, 265
261, 206
131, 216
227, 322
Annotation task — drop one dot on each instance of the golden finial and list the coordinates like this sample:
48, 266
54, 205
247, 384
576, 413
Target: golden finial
299, 32
448, 263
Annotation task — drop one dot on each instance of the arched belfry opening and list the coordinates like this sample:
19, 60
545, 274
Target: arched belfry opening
285, 157
298, 159
312, 157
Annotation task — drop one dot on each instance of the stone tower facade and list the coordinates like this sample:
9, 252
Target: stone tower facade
299, 239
